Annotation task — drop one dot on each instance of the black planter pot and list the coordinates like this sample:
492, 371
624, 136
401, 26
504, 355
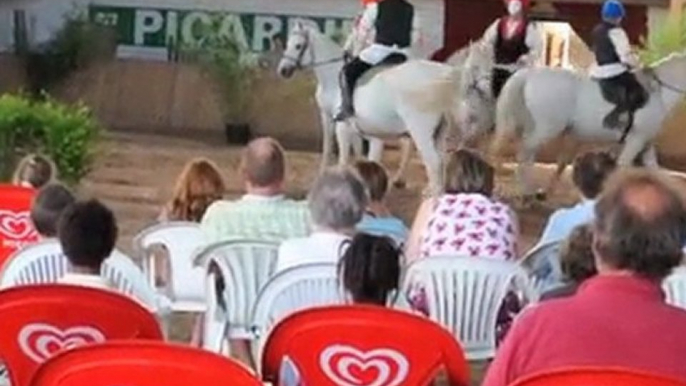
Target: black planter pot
237, 133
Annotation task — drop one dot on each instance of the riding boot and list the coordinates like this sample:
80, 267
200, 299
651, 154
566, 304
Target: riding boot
611, 120
346, 109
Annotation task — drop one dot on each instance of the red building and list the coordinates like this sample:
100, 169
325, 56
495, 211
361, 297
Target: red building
466, 20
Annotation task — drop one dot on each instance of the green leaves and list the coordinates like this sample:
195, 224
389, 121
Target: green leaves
64, 133
670, 37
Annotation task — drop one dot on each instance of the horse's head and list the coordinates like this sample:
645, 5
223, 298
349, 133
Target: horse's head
295, 55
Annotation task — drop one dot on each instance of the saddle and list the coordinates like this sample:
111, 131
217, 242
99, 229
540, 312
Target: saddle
392, 60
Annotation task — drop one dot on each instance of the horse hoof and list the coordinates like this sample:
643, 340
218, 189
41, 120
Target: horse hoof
399, 184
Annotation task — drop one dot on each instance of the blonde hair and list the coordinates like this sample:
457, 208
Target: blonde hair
466, 172
199, 185
35, 170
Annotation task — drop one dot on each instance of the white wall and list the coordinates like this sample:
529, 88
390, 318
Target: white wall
46, 16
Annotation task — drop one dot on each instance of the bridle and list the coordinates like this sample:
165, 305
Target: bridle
668, 86
473, 87
297, 60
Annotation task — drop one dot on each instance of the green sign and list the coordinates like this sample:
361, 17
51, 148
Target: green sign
158, 28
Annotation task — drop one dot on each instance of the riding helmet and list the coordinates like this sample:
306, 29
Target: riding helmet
613, 9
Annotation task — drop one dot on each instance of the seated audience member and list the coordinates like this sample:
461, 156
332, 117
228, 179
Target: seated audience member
34, 171
465, 220
87, 232
47, 207
576, 261
199, 185
370, 269
377, 219
264, 212
618, 318
590, 172
336, 201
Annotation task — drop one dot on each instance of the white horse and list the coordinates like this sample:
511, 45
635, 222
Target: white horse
416, 98
541, 104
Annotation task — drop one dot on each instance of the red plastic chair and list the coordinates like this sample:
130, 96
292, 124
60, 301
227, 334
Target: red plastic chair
16, 228
597, 376
38, 321
362, 346
141, 364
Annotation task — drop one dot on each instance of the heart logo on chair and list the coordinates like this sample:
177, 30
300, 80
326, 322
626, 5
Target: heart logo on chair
348, 366
41, 341
15, 225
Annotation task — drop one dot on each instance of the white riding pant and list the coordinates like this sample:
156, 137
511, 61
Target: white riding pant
376, 53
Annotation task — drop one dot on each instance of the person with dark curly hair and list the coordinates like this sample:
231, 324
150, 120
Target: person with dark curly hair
618, 318
47, 207
87, 231
370, 269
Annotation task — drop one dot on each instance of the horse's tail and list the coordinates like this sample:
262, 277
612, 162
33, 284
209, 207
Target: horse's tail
511, 111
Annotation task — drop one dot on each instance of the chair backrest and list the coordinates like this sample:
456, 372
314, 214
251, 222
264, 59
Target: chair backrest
543, 265
44, 262
292, 290
245, 267
16, 228
592, 376
364, 346
674, 287
142, 364
181, 239
464, 294
40, 320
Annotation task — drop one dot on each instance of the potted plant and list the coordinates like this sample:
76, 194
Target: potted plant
231, 67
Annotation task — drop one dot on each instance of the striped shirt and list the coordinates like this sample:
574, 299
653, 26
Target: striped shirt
269, 218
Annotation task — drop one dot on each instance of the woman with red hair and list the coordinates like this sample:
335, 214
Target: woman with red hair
516, 42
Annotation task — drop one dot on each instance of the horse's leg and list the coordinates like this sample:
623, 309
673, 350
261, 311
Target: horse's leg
525, 161
344, 137
398, 179
328, 127
375, 149
650, 157
357, 141
422, 127
632, 148
565, 157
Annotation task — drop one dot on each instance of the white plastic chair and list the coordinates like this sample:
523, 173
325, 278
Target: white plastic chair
245, 266
464, 294
292, 290
44, 262
185, 287
674, 287
543, 264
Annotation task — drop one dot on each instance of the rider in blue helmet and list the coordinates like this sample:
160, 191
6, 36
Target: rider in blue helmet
615, 61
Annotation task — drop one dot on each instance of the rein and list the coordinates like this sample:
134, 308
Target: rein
298, 59
666, 85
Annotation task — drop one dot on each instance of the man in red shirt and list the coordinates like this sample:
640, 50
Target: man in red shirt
618, 318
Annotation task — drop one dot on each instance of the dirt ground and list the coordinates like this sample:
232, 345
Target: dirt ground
135, 175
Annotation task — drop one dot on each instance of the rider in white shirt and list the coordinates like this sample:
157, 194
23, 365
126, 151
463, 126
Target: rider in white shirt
516, 43
393, 27
614, 61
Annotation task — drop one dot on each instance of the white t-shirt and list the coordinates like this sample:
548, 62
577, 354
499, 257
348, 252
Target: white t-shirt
319, 247
86, 280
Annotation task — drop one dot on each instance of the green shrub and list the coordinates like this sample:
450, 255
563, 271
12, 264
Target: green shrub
64, 133
231, 66
75, 46
670, 37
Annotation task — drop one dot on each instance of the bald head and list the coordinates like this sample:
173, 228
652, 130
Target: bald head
640, 224
263, 163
